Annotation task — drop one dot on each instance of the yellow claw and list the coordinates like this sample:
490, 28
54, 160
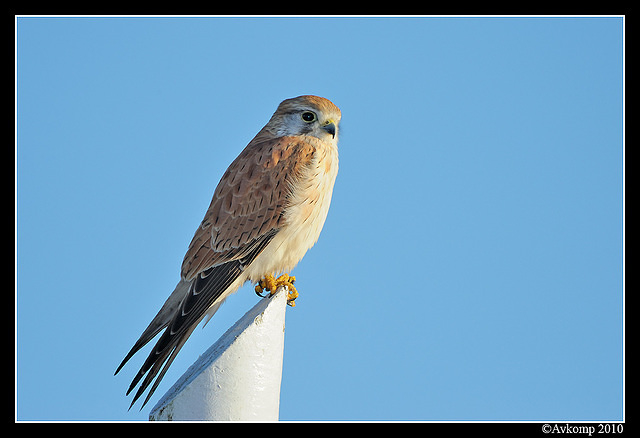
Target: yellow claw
272, 284
292, 295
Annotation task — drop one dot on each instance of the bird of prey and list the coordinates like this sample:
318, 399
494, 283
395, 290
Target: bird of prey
267, 211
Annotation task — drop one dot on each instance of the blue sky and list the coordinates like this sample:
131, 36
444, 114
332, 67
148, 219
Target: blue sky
471, 265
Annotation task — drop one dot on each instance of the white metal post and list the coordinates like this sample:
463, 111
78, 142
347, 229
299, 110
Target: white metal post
237, 378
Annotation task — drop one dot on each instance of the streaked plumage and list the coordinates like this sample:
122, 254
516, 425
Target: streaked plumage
267, 211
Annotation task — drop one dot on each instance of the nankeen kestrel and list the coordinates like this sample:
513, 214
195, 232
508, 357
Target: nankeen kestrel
267, 211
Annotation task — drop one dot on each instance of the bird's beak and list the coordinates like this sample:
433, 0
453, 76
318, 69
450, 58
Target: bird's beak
330, 127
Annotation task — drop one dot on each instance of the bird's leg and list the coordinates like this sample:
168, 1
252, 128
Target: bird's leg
272, 284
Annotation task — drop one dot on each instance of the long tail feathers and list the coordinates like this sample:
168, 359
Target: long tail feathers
180, 315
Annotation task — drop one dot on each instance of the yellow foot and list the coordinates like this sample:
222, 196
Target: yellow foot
272, 284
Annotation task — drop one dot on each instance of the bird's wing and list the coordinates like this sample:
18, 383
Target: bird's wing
246, 212
248, 203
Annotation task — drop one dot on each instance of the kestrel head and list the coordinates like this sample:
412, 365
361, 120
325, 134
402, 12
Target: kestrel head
306, 115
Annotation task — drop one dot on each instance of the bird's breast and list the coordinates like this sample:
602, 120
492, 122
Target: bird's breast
304, 215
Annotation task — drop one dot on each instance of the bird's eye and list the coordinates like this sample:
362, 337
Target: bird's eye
308, 116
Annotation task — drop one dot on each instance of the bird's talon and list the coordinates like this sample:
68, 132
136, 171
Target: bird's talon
259, 290
272, 284
292, 295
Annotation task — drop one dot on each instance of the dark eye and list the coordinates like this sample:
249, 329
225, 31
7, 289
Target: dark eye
308, 116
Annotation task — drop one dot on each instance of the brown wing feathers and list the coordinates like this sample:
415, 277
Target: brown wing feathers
248, 202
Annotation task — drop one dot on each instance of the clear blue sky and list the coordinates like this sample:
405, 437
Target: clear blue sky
471, 265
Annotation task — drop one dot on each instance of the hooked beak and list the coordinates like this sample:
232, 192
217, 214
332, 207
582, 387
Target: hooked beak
330, 127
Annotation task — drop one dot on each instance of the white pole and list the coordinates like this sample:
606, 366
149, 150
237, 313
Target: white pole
237, 378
